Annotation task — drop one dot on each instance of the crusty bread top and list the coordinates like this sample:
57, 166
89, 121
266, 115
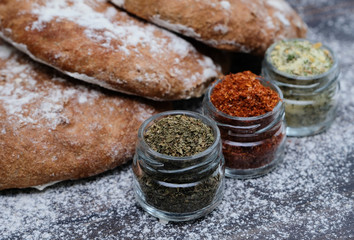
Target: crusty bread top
53, 129
93, 41
236, 25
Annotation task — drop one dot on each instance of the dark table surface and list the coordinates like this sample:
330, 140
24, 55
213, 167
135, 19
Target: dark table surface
309, 196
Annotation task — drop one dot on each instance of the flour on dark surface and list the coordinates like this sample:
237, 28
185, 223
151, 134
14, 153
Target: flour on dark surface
309, 196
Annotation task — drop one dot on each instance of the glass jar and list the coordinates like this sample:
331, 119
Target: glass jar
252, 146
311, 102
178, 188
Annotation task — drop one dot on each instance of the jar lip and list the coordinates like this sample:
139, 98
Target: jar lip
205, 120
269, 64
276, 109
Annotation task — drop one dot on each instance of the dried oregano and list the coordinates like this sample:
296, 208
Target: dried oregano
179, 136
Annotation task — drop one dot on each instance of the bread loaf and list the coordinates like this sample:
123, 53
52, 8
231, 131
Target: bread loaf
54, 129
93, 41
249, 26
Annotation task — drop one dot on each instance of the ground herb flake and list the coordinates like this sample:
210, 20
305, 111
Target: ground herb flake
179, 136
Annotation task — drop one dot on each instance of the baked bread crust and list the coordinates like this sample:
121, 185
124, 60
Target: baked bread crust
93, 41
249, 26
54, 129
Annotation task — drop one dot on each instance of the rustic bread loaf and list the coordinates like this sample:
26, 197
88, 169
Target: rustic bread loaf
93, 41
53, 129
236, 25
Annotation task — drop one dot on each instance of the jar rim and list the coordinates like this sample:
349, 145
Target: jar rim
276, 109
269, 64
196, 115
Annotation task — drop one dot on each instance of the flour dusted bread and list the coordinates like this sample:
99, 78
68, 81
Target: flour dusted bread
52, 129
93, 41
236, 25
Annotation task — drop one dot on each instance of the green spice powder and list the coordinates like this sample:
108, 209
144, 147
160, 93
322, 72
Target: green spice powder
179, 136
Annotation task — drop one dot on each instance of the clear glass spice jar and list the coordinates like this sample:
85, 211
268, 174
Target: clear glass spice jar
252, 146
178, 188
310, 102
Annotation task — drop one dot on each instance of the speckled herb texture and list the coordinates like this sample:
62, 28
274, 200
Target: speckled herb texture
301, 58
179, 136
310, 82
308, 196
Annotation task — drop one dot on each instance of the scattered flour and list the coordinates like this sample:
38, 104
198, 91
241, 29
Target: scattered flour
179, 28
225, 4
103, 28
17, 93
221, 28
119, 3
281, 18
95, 23
5, 52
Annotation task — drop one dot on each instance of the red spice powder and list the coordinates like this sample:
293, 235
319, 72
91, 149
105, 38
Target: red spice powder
243, 95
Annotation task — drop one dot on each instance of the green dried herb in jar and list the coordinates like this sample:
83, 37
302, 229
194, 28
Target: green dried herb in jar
178, 166
179, 136
308, 75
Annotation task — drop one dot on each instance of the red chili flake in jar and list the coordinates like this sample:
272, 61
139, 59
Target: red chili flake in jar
242, 95
250, 115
